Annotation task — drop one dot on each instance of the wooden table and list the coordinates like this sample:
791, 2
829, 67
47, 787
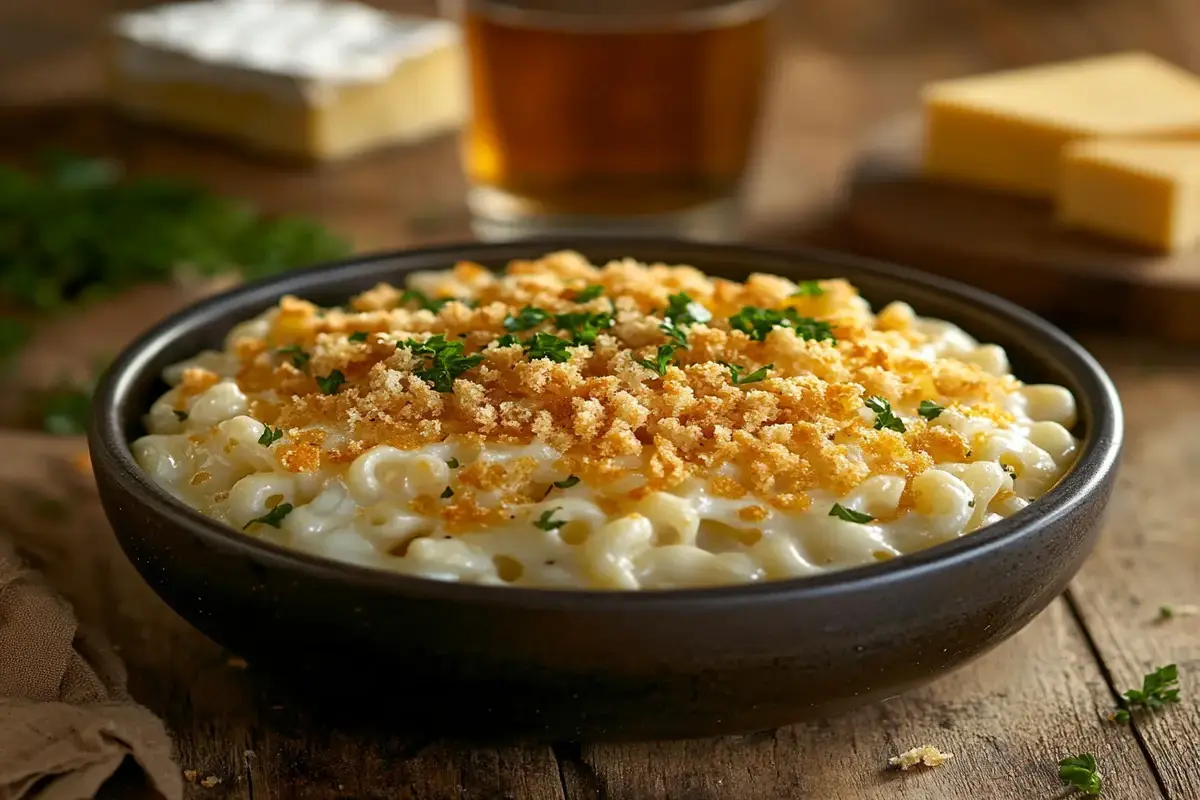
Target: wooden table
1008, 718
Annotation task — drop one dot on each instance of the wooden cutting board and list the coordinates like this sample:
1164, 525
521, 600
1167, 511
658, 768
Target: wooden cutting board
1012, 246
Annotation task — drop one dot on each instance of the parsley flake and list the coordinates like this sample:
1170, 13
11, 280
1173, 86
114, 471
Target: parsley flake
452, 463
849, 514
547, 345
1160, 688
588, 293
808, 289
736, 377
446, 361
180, 415
675, 333
930, 410
270, 435
683, 310
448, 493
298, 355
331, 382
273, 517
584, 327
1080, 773
357, 336
507, 340
567, 482
757, 322
885, 418
547, 522
526, 319
661, 360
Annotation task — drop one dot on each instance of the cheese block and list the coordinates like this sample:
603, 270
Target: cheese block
1004, 131
314, 79
1145, 192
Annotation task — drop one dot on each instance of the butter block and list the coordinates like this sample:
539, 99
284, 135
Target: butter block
1146, 192
1005, 131
310, 79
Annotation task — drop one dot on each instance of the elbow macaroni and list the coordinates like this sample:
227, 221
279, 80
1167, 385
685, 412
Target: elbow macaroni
593, 471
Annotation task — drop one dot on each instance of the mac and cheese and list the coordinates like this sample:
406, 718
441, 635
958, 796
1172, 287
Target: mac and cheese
628, 426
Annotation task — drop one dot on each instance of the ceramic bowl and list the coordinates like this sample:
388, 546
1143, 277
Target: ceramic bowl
497, 661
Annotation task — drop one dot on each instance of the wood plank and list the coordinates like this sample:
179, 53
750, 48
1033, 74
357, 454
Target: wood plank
227, 722
1149, 555
1008, 718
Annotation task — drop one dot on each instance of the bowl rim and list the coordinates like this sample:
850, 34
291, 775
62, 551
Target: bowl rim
1098, 458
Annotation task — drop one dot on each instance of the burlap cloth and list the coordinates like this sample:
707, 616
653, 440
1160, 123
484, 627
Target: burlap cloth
68, 727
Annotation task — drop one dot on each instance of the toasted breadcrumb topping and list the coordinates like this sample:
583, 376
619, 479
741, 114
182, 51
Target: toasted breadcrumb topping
800, 428
926, 755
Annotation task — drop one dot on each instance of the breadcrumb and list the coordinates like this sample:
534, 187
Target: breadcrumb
210, 781
190, 775
926, 755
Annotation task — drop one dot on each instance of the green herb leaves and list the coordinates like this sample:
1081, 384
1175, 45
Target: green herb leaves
547, 345
588, 293
357, 336
682, 310
270, 435
929, 410
330, 383
849, 514
1080, 773
447, 493
1160, 688
660, 362
736, 377
583, 327
547, 522
808, 289
758, 322
298, 356
884, 417
676, 334
444, 361
526, 319
274, 517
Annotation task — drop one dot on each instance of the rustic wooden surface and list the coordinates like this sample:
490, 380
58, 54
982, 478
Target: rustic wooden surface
1009, 717
1012, 246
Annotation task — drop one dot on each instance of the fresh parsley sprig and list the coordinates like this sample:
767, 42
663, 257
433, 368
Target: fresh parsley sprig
849, 514
297, 355
270, 435
588, 293
885, 418
676, 334
526, 319
583, 327
736, 377
757, 322
929, 410
443, 361
329, 384
274, 517
808, 289
547, 522
548, 346
357, 336
1080, 773
682, 310
661, 360
1160, 688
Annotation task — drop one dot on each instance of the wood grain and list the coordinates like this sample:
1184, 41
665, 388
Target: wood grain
1013, 247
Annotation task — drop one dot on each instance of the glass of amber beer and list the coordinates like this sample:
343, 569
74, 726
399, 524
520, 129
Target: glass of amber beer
612, 116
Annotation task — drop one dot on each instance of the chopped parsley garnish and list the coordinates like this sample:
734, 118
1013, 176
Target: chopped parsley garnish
930, 410
298, 355
808, 289
588, 293
452, 463
547, 522
331, 382
358, 336
422, 300
675, 333
446, 361
78, 229
547, 345
507, 340
1160, 688
180, 415
1080, 773
582, 326
567, 482
270, 435
273, 517
884, 416
526, 319
758, 322
683, 310
448, 493
849, 514
736, 377
660, 362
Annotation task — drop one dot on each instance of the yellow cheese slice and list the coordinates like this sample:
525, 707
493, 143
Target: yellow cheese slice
1005, 131
1146, 192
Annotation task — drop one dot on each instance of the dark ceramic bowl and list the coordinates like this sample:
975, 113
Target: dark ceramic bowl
481, 660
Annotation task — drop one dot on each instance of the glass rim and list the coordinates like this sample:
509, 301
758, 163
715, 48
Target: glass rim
601, 16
